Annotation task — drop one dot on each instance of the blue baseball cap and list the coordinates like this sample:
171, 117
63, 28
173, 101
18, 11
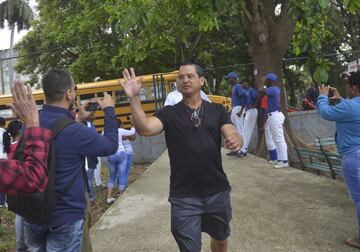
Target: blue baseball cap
271, 76
231, 75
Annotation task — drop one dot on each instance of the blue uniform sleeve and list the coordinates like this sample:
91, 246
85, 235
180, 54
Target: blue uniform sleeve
253, 93
341, 112
272, 91
90, 143
239, 90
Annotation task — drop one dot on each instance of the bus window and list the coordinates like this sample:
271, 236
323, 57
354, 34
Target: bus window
160, 93
121, 97
100, 95
86, 97
39, 102
172, 86
143, 94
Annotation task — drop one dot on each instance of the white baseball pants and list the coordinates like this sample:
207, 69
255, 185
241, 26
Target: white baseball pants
238, 121
274, 134
249, 124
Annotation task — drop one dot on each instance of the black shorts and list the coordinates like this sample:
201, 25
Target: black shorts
192, 215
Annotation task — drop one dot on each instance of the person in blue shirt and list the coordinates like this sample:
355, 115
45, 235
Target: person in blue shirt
250, 115
239, 102
346, 115
64, 231
274, 131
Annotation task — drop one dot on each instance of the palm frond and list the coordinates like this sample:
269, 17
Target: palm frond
17, 13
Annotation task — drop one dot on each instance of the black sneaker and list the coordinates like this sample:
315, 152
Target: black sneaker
241, 154
232, 153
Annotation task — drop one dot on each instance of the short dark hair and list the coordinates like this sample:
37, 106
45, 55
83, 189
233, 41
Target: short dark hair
55, 84
13, 129
198, 68
354, 79
245, 80
2, 121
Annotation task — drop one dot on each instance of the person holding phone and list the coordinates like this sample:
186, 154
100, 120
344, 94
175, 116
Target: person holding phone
346, 115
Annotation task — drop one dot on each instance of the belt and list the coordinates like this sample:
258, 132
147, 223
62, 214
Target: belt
269, 114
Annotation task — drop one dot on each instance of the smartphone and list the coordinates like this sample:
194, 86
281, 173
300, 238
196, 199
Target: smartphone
331, 93
92, 106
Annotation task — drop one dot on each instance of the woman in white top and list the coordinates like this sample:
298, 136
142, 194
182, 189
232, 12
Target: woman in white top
129, 152
117, 165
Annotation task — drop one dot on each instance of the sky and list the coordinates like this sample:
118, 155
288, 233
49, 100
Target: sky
5, 33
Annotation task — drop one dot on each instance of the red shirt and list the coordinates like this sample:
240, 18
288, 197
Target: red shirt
264, 102
30, 175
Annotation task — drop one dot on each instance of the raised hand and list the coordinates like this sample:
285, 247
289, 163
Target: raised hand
24, 105
336, 95
83, 114
324, 90
132, 84
106, 102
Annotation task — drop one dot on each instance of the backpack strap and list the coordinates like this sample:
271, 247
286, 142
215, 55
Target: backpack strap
56, 128
59, 125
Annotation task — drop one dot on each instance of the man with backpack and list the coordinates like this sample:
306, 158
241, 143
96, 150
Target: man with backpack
63, 229
28, 176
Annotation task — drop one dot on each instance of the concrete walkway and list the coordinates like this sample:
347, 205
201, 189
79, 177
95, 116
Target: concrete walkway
273, 210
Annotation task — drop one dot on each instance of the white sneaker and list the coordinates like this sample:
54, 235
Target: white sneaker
281, 165
273, 161
111, 200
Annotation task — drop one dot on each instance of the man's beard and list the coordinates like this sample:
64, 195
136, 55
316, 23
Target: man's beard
72, 106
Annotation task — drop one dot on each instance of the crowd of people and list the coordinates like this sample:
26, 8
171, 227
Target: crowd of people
199, 194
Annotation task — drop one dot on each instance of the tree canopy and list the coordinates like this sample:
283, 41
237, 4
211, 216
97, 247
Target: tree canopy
99, 38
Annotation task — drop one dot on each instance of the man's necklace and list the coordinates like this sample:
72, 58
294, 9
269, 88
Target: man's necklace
195, 115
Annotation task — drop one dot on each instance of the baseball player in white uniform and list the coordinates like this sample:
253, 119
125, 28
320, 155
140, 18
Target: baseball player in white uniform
250, 115
239, 102
274, 132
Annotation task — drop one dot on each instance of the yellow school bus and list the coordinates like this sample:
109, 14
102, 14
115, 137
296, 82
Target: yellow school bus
154, 89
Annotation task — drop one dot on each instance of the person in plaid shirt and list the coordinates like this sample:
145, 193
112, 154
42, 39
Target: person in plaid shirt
30, 175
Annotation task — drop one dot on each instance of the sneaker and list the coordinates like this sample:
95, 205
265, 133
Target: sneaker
241, 154
232, 153
5, 205
273, 162
353, 242
111, 200
281, 165
101, 186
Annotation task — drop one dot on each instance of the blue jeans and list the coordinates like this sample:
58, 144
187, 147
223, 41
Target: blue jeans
117, 170
129, 158
67, 237
2, 199
20, 237
90, 176
351, 171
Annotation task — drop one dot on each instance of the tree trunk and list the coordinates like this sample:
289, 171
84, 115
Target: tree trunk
11, 69
269, 38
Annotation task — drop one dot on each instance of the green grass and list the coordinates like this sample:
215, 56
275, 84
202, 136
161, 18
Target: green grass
7, 230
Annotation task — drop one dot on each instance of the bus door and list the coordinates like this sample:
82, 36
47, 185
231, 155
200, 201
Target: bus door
159, 91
